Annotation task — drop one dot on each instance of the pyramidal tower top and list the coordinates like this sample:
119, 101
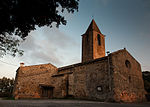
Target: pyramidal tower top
93, 27
93, 43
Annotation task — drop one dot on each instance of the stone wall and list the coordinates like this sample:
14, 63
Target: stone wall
98, 50
85, 78
115, 77
87, 46
90, 48
28, 79
59, 82
127, 78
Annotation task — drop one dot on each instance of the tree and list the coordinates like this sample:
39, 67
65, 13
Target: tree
19, 17
6, 87
146, 78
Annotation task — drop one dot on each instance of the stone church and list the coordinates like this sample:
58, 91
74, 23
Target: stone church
115, 77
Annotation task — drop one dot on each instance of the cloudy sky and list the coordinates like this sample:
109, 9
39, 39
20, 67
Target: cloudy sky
126, 23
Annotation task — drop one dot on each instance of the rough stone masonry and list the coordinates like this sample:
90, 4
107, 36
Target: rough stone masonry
115, 77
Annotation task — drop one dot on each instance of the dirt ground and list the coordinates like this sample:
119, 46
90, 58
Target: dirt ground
65, 103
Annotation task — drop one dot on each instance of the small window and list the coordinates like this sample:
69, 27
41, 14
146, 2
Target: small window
128, 64
99, 88
129, 79
99, 39
87, 38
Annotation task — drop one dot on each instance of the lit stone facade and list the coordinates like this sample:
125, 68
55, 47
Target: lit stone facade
116, 77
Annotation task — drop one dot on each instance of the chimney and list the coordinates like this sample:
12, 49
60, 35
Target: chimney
21, 64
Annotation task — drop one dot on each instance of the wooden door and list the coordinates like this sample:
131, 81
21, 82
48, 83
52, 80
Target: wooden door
47, 92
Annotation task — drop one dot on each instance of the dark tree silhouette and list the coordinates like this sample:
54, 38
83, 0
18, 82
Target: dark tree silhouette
19, 17
146, 78
6, 87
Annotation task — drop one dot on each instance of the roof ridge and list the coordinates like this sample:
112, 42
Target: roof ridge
40, 65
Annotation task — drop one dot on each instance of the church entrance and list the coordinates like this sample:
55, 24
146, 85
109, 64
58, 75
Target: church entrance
46, 91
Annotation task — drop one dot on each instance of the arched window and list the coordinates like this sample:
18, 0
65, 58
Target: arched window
99, 39
128, 64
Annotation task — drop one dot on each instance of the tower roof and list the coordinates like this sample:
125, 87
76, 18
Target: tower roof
93, 27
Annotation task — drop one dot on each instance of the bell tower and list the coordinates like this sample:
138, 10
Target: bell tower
93, 43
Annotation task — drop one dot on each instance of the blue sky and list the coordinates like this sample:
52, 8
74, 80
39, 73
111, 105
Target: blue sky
126, 23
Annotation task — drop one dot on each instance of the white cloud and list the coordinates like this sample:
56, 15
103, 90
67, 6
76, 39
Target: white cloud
45, 45
50, 45
9, 68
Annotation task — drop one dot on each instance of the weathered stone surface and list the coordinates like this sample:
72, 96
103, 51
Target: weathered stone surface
116, 77
92, 48
29, 78
127, 79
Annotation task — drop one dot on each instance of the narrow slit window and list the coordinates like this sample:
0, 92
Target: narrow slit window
87, 38
99, 39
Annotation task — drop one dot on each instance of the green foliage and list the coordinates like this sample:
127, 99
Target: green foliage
19, 17
6, 87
